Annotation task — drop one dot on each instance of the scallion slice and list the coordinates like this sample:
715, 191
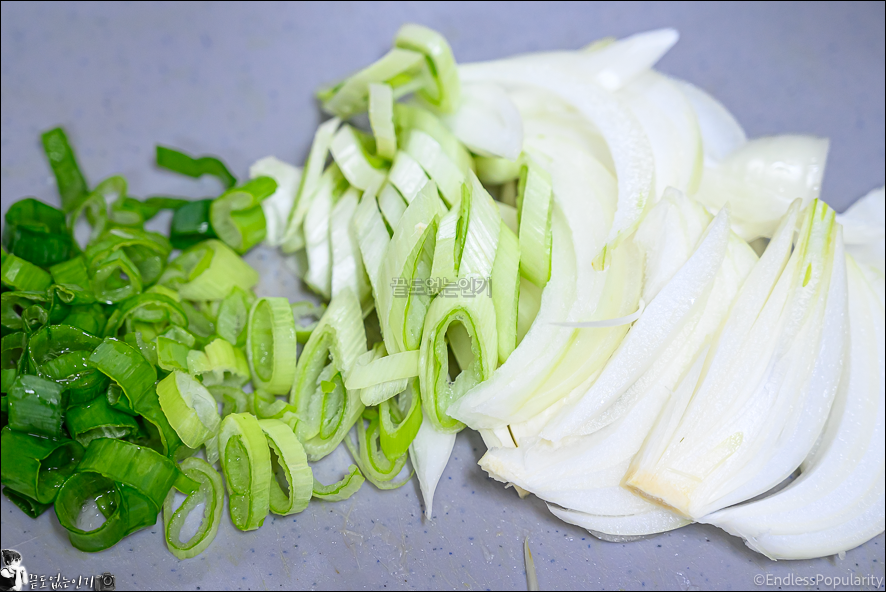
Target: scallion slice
271, 345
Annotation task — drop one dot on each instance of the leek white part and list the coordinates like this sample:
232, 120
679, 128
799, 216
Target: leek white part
628, 144
382, 391
481, 238
407, 176
391, 204
411, 116
495, 171
654, 521
429, 453
278, 206
271, 345
505, 287
381, 118
768, 385
347, 262
408, 260
448, 246
760, 180
487, 121
837, 502
372, 237
721, 134
864, 230
444, 91
661, 321
508, 215
352, 95
294, 238
319, 252
531, 578
349, 156
534, 207
670, 124
190, 408
385, 369
611, 66
428, 153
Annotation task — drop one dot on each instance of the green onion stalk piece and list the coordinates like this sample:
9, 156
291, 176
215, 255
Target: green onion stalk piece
383, 369
392, 205
31, 507
534, 208
13, 360
219, 363
68, 178
23, 276
307, 316
381, 119
124, 261
411, 116
190, 409
30, 310
399, 421
233, 316
372, 237
294, 237
97, 419
379, 391
316, 229
505, 289
407, 176
404, 70
288, 459
373, 463
133, 377
60, 353
90, 317
271, 345
476, 315
71, 282
267, 406
150, 307
36, 467
326, 409
446, 90
129, 211
340, 490
237, 216
37, 406
37, 233
232, 399
179, 162
211, 493
246, 462
357, 164
495, 170
347, 263
190, 224
428, 153
208, 271
402, 297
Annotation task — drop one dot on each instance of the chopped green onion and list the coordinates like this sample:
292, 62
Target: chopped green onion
384, 369
37, 406
327, 414
190, 409
246, 462
399, 421
60, 353
341, 490
29, 310
373, 463
495, 170
407, 176
181, 163
351, 157
534, 208
37, 233
347, 263
294, 238
90, 318
233, 316
31, 507
237, 216
428, 153
36, 467
402, 69
446, 92
12, 359
211, 493
505, 288
150, 307
267, 406
190, 224
208, 271
71, 281
293, 463
412, 116
381, 118
24, 276
97, 419
372, 238
71, 184
391, 204
375, 394
319, 252
271, 345
115, 277
133, 376
476, 314
219, 363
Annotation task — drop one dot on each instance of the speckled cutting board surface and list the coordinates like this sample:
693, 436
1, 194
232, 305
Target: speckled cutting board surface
237, 80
